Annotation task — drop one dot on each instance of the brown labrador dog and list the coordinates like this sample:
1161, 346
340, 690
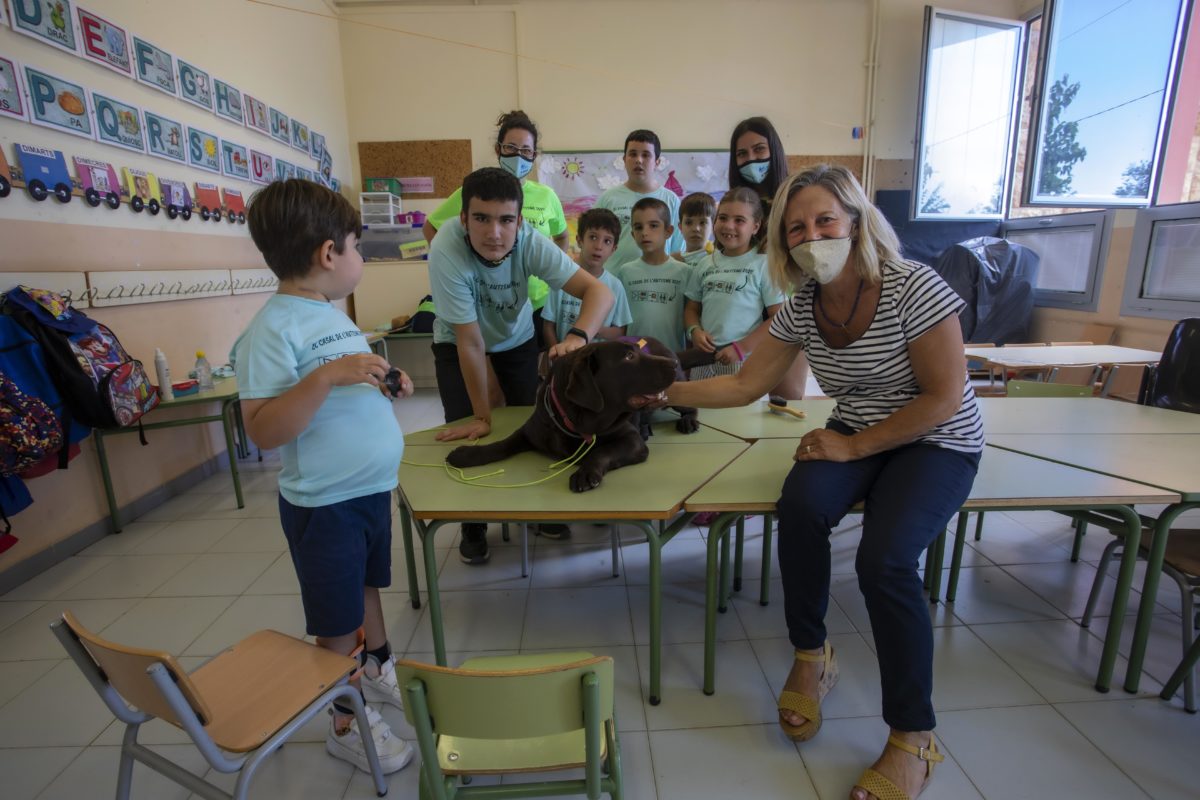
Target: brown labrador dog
593, 392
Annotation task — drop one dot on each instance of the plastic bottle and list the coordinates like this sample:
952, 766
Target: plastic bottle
203, 372
163, 373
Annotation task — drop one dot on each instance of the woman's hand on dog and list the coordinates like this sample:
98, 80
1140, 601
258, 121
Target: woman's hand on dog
475, 429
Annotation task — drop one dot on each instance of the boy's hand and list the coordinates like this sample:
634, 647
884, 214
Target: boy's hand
359, 368
703, 340
475, 429
397, 384
568, 345
727, 355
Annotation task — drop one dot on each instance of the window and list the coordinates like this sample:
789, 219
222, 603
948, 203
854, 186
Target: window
1071, 250
1163, 279
968, 108
1107, 69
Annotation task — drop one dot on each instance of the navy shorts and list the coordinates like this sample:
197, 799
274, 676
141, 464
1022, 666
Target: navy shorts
337, 550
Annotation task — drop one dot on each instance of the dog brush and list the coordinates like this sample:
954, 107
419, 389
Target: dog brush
777, 405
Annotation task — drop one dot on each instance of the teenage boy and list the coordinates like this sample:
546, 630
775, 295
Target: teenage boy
479, 266
311, 386
696, 215
599, 230
642, 150
654, 284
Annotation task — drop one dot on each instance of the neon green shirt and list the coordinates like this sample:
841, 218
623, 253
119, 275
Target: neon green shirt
541, 209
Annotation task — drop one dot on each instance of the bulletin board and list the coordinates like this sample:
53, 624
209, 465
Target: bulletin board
447, 161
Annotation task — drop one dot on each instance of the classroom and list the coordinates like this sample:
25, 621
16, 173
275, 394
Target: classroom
1041, 156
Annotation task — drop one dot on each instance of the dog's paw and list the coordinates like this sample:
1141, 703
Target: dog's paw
585, 479
688, 423
465, 456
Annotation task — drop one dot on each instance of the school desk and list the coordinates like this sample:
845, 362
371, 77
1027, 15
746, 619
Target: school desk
1007, 481
1170, 463
648, 495
225, 392
1080, 416
753, 421
1007, 359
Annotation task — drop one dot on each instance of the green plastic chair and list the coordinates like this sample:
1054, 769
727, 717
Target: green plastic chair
507, 715
1043, 389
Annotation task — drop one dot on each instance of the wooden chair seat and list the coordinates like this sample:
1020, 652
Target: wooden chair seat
246, 710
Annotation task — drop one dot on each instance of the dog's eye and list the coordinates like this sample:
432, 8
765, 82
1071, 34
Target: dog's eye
629, 355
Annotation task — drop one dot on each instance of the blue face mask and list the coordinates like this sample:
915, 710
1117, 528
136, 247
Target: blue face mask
755, 171
517, 165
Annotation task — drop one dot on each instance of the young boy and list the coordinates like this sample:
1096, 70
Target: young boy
311, 386
654, 284
598, 231
696, 215
642, 150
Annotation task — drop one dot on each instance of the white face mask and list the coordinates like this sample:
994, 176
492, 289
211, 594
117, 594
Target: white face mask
822, 259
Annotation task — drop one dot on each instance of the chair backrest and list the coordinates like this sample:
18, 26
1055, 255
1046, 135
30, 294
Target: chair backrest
1124, 382
1095, 332
1176, 380
1041, 389
518, 704
1081, 375
125, 668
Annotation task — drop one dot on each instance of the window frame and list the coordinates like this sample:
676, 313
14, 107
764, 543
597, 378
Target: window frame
1132, 303
1089, 298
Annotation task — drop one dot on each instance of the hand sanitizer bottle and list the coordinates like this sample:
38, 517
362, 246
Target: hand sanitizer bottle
203, 372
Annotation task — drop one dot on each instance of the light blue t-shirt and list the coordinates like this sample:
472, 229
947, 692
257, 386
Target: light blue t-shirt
734, 291
563, 309
353, 444
466, 290
620, 200
656, 299
695, 258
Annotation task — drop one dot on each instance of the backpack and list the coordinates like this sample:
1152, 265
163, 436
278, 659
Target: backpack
101, 386
29, 430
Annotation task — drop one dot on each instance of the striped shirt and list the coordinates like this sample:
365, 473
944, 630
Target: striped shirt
872, 377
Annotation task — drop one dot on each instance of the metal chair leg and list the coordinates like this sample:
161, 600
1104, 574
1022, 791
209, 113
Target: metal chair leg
1101, 570
614, 533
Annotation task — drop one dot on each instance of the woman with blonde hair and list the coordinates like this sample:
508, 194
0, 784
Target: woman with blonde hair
883, 339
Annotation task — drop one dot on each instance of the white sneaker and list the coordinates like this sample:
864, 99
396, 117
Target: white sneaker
383, 687
394, 752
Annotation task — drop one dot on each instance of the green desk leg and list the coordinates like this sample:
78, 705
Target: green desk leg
1154, 561
1112, 637
737, 558
410, 561
937, 551
718, 532
431, 587
960, 539
656, 537
764, 591
230, 448
109, 494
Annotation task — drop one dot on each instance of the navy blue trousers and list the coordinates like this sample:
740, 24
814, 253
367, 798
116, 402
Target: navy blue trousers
909, 495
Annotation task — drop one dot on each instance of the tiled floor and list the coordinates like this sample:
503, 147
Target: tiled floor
1017, 715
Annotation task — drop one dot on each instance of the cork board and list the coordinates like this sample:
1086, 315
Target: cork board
447, 161
853, 163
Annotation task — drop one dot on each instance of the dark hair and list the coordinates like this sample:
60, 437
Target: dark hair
491, 183
778, 171
653, 204
642, 135
515, 119
742, 194
289, 220
599, 218
698, 204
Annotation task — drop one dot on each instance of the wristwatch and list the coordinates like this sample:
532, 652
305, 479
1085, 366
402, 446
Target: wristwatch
580, 333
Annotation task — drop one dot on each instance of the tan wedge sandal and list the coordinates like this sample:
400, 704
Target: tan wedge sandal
883, 788
805, 705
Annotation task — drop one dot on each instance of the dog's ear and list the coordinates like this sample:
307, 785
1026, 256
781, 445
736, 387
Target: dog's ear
582, 388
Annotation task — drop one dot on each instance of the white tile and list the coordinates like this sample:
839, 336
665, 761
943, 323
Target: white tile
166, 623
133, 535
28, 770
1066, 586
16, 676
682, 560
94, 774
695, 764
176, 506
561, 564
502, 571
1057, 657
224, 506
298, 771
279, 578
1007, 541
31, 638
637, 763
1030, 752
53, 582
767, 622
16, 611
263, 535
743, 696
186, 536
577, 618
857, 691
989, 594
60, 709
1164, 648
128, 576
837, 756
1154, 743
475, 621
968, 674
246, 615
216, 574
682, 615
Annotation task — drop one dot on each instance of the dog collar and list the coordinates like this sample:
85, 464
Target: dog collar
641, 344
566, 425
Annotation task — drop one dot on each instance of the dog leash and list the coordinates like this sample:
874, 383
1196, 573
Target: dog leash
459, 475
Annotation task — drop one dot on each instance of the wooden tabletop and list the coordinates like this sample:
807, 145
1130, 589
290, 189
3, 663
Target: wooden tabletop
754, 481
508, 419
652, 490
1167, 462
753, 422
1080, 415
1062, 355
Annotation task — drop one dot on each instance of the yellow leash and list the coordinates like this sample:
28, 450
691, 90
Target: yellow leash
459, 475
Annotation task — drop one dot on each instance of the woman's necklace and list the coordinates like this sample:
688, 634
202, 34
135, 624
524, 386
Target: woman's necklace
853, 308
